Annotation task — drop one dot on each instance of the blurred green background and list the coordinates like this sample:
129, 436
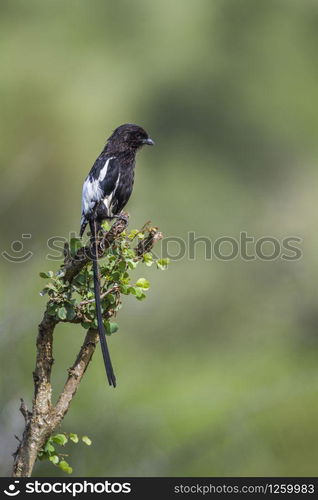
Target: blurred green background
217, 369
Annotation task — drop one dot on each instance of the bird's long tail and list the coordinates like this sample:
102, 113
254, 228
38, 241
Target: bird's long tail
101, 329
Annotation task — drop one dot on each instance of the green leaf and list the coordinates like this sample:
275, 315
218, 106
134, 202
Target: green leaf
122, 266
110, 298
80, 279
124, 289
111, 327
131, 264
60, 273
115, 276
54, 459
133, 234
147, 259
65, 467
51, 286
143, 283
70, 312
75, 245
48, 274
142, 296
60, 439
130, 253
137, 291
106, 225
49, 448
74, 437
163, 264
86, 325
62, 313
52, 309
86, 440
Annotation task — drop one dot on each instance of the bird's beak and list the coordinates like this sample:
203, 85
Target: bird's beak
149, 142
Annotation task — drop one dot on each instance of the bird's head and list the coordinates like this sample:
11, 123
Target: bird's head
128, 137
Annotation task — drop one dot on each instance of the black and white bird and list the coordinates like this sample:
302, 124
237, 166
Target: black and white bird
106, 190
108, 186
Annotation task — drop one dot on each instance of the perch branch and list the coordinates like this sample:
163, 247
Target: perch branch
41, 422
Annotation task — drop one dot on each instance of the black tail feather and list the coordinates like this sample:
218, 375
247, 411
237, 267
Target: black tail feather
101, 329
83, 226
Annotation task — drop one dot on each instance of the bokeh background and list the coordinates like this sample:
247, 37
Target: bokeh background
217, 369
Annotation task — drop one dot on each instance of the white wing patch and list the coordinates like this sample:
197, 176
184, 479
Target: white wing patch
92, 192
108, 199
103, 171
90, 195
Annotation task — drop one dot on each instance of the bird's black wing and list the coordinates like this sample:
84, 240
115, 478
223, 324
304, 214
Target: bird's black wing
108, 176
100, 185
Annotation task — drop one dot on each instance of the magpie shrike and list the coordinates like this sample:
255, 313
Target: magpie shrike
106, 190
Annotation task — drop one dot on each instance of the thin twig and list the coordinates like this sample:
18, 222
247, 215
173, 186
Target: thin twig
110, 290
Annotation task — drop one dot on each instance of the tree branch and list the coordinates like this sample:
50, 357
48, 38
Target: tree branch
75, 374
44, 418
